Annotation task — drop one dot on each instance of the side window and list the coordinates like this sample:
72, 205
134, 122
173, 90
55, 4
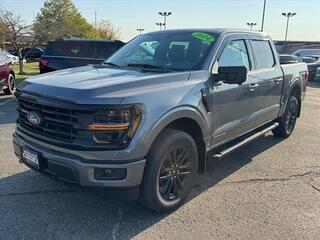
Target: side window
263, 54
80, 49
234, 54
84, 49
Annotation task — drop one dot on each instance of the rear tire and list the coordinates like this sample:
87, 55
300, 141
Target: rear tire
170, 171
288, 120
11, 85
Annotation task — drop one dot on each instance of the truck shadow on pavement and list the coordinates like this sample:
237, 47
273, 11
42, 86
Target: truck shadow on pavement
33, 206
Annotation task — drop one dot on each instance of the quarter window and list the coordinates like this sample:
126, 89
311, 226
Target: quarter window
263, 54
234, 54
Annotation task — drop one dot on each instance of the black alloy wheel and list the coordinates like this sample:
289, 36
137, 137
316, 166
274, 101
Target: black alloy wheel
175, 173
291, 117
171, 167
288, 120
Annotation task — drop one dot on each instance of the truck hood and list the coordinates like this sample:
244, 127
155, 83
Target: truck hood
100, 85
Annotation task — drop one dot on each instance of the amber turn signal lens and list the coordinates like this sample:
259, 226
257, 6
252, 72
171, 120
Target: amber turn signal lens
108, 127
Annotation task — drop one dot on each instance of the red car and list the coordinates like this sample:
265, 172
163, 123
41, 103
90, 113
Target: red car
7, 76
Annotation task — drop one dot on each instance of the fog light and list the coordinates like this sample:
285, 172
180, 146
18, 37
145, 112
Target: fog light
110, 173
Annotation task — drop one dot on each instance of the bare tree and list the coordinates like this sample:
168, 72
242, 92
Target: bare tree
18, 33
3, 28
105, 30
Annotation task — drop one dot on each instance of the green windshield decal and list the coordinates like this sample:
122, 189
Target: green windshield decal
203, 36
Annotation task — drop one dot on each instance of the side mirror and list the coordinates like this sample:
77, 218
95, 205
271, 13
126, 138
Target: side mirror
231, 75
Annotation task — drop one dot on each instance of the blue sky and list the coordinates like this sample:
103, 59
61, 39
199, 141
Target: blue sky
128, 15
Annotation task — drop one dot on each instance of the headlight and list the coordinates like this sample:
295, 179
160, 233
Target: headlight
116, 127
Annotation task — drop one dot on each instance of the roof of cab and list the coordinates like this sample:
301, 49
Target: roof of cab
212, 30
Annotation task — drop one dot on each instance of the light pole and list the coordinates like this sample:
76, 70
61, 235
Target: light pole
160, 25
263, 14
251, 25
140, 30
288, 16
165, 15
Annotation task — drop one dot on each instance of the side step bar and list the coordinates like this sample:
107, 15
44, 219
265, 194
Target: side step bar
244, 142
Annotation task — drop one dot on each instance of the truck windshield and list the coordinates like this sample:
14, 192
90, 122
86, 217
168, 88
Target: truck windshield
165, 51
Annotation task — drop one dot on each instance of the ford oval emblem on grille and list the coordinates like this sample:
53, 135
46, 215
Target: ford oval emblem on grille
34, 118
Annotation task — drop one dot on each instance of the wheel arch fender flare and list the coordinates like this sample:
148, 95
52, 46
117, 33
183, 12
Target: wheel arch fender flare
296, 83
13, 74
173, 115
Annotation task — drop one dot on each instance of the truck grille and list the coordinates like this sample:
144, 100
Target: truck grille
57, 123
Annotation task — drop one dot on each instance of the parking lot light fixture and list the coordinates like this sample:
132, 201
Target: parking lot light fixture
251, 24
288, 16
263, 14
165, 15
140, 30
160, 25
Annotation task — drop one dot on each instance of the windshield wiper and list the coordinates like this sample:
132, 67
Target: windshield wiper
111, 64
146, 66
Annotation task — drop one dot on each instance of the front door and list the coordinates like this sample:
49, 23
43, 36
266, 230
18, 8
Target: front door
234, 106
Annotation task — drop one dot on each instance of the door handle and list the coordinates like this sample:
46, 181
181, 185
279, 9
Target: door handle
253, 86
277, 81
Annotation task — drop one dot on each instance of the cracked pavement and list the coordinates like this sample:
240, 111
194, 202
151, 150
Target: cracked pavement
269, 189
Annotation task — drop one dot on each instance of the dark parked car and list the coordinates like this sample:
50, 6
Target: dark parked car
7, 76
308, 60
317, 78
146, 120
61, 54
31, 54
288, 59
312, 68
315, 57
307, 52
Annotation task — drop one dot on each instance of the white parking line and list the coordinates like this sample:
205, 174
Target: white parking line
5, 102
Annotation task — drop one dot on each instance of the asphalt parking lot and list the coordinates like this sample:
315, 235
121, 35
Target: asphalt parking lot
270, 189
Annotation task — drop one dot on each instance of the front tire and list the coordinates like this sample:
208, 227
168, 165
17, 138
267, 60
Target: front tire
170, 171
288, 120
11, 85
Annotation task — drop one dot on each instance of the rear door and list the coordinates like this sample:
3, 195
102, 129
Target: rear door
270, 74
234, 105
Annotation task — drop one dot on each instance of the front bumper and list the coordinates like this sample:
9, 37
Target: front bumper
71, 168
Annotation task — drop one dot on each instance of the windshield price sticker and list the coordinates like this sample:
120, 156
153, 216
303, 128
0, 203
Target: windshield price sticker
203, 36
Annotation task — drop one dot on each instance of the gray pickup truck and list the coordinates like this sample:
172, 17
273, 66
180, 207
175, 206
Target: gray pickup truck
147, 119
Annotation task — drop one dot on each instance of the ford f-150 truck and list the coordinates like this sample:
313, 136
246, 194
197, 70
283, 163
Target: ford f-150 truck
147, 120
